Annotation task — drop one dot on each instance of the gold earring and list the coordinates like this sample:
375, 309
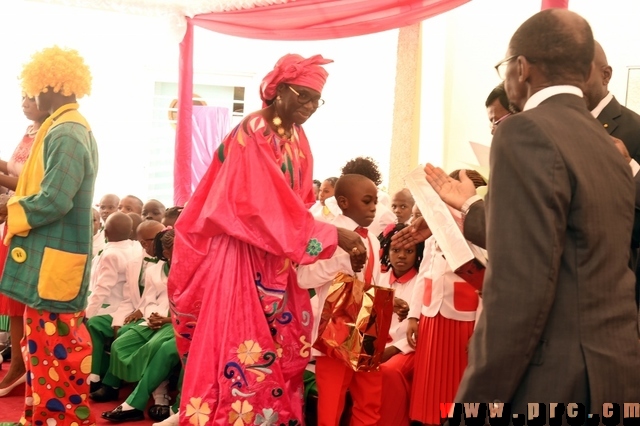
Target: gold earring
278, 98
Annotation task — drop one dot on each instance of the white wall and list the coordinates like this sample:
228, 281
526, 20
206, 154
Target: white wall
476, 36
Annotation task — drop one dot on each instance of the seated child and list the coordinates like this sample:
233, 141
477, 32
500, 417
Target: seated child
130, 204
397, 360
401, 205
115, 290
319, 210
163, 360
98, 234
171, 215
126, 356
153, 210
108, 205
357, 196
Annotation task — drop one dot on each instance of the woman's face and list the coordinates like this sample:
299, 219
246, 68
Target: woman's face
30, 109
290, 106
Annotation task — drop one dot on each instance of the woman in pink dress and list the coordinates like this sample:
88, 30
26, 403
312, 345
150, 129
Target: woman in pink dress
236, 304
9, 172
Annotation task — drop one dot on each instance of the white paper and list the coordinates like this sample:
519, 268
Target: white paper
482, 153
442, 224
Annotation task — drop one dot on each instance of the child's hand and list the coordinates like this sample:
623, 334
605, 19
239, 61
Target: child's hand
412, 332
400, 308
156, 321
134, 316
116, 328
389, 353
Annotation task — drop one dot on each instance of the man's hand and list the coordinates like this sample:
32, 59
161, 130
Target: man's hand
621, 148
412, 332
411, 235
134, 316
351, 242
451, 191
401, 308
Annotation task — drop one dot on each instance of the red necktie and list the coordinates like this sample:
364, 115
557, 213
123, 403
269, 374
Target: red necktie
368, 269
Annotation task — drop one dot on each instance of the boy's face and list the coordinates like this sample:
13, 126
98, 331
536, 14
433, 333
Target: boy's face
129, 205
402, 260
360, 203
401, 205
96, 221
153, 210
145, 238
108, 205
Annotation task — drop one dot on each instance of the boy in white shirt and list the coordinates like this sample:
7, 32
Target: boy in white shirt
357, 197
115, 289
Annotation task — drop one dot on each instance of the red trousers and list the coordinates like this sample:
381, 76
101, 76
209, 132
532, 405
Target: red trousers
397, 375
57, 354
333, 378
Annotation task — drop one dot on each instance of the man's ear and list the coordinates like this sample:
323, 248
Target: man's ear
343, 203
523, 68
607, 72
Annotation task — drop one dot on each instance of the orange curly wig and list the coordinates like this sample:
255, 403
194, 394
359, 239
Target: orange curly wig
63, 70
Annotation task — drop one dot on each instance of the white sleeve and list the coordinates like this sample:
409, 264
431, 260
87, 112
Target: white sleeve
105, 279
324, 271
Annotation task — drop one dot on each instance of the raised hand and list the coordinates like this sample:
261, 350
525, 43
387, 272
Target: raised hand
451, 191
411, 235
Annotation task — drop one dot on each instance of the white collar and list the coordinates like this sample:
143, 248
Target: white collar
603, 103
544, 94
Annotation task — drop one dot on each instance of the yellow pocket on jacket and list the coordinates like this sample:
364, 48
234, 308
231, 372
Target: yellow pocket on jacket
61, 275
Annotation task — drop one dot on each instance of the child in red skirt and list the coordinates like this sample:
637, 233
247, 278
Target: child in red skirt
441, 320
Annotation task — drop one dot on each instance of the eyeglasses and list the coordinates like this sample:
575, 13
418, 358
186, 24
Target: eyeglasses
304, 98
501, 67
494, 123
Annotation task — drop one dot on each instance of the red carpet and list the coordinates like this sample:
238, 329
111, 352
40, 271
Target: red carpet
11, 406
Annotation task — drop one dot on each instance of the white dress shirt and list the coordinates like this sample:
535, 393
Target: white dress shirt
154, 297
384, 216
115, 281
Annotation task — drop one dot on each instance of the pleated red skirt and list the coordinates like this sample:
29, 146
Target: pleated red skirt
8, 306
440, 360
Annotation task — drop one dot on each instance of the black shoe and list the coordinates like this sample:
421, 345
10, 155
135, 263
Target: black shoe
104, 394
119, 416
159, 413
94, 386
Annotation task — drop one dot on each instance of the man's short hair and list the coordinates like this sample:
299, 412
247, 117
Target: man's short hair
558, 49
499, 93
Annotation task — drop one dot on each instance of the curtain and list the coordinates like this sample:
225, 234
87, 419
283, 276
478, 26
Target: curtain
296, 20
210, 125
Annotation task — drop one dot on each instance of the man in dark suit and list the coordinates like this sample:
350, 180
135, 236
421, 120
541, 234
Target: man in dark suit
559, 323
617, 120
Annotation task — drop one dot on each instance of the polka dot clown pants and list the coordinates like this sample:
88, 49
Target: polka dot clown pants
57, 354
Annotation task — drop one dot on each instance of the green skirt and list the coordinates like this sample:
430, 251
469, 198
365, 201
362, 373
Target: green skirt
130, 362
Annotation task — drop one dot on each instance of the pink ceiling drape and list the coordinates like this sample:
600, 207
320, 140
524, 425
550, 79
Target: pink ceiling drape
295, 20
550, 4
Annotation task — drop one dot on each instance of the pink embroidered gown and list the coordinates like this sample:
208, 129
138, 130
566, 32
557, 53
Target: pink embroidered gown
241, 319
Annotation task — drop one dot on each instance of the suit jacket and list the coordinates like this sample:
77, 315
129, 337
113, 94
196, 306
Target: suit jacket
559, 322
623, 124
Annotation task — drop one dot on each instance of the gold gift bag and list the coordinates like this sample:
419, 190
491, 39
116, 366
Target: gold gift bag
355, 321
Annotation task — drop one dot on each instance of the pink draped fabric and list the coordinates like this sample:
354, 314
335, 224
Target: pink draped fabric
323, 19
550, 4
295, 20
210, 125
182, 161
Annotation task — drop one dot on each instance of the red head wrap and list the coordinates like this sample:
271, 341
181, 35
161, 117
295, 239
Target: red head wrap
296, 70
